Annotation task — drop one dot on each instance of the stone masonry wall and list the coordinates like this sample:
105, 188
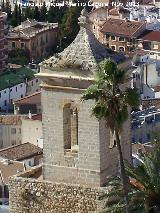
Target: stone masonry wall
32, 196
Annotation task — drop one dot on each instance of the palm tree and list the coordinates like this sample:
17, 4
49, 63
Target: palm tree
144, 195
111, 104
146, 180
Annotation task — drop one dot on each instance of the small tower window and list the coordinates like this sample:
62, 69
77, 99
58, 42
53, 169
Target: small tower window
70, 127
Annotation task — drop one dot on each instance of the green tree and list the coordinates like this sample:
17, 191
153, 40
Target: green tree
69, 26
43, 12
36, 13
6, 7
55, 14
111, 104
15, 16
28, 13
19, 14
144, 195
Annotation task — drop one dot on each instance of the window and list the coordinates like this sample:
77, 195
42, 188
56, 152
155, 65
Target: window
46, 38
121, 49
10, 90
19, 130
32, 83
70, 126
16, 89
21, 85
121, 39
0, 95
13, 130
4, 91
113, 48
22, 45
13, 44
5, 103
113, 38
21, 96
37, 80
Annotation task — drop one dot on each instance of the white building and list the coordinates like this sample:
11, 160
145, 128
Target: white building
146, 76
8, 95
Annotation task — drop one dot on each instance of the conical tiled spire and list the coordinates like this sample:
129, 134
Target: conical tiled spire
85, 52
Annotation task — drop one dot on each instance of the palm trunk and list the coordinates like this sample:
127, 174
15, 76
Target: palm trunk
123, 173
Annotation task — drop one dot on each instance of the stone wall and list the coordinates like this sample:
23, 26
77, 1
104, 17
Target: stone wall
94, 160
32, 196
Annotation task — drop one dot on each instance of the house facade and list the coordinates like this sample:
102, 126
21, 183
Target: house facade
36, 38
121, 35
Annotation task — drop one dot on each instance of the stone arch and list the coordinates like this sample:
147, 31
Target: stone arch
70, 125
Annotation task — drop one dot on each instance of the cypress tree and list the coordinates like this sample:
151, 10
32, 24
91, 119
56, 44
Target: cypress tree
15, 16
36, 14
43, 12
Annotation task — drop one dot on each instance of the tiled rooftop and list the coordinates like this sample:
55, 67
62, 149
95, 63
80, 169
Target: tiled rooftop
30, 28
83, 54
149, 35
20, 152
121, 27
10, 168
151, 102
11, 119
34, 98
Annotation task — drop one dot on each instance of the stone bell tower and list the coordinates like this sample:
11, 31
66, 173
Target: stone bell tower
78, 149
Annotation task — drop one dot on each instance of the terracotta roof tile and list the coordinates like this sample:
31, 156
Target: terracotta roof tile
21, 151
121, 27
151, 102
35, 98
11, 119
9, 169
37, 117
149, 35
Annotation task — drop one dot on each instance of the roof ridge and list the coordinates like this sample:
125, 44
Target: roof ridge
10, 147
28, 96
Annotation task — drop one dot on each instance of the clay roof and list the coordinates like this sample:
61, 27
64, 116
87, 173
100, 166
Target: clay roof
150, 35
121, 27
37, 117
84, 53
34, 98
10, 168
138, 53
20, 152
156, 89
151, 102
147, 147
11, 119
